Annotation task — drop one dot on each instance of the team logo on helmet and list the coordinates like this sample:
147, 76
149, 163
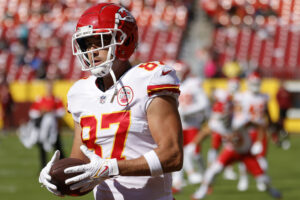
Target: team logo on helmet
125, 15
125, 96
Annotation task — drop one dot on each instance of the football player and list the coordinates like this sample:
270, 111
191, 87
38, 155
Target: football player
220, 124
237, 148
241, 144
127, 125
193, 109
251, 111
44, 113
279, 135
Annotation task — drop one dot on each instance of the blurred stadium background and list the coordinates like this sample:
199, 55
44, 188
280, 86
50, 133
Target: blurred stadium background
219, 39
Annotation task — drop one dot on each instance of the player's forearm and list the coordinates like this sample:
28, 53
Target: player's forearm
134, 167
171, 159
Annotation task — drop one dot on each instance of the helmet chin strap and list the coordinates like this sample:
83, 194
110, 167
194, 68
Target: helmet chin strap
112, 51
96, 72
115, 85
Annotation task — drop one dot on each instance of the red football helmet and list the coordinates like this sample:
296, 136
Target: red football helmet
254, 82
113, 27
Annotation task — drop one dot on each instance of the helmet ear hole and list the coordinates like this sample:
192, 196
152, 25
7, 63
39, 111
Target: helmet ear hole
128, 41
120, 53
131, 38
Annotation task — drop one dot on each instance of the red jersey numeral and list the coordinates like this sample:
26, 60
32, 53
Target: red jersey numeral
121, 118
256, 111
150, 65
90, 122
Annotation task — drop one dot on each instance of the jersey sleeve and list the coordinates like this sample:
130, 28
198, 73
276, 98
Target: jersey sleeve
163, 82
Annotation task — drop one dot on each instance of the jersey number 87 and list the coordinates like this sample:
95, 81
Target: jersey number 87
121, 118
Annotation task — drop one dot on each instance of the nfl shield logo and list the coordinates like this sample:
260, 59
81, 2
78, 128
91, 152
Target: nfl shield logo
102, 99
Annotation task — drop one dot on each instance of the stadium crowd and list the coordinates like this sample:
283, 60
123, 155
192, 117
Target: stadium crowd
35, 36
257, 34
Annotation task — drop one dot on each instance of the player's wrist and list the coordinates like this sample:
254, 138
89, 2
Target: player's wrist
113, 168
153, 163
108, 168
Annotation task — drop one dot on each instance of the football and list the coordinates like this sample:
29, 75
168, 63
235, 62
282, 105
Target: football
58, 176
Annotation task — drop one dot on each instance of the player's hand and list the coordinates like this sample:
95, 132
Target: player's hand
256, 148
97, 170
45, 177
86, 184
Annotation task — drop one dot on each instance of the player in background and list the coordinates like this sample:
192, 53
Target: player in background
220, 124
44, 114
279, 135
194, 110
127, 125
7, 105
238, 147
251, 112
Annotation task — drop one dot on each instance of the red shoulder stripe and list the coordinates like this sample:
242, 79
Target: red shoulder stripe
152, 89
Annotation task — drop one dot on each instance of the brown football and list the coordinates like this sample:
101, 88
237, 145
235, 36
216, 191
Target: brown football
58, 176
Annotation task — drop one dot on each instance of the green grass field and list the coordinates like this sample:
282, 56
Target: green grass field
19, 169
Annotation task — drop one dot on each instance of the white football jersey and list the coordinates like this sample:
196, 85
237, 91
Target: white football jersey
222, 95
221, 115
252, 108
241, 142
193, 103
120, 129
220, 118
